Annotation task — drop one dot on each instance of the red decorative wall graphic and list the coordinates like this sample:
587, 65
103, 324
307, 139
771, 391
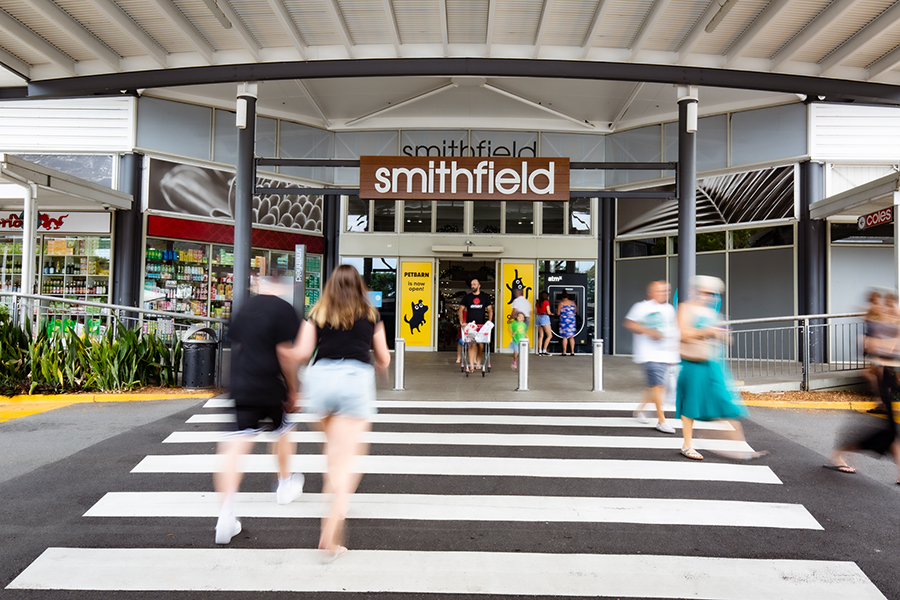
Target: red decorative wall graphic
217, 233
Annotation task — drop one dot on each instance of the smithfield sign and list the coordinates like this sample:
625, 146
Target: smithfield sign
463, 178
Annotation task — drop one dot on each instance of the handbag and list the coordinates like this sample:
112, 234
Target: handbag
695, 349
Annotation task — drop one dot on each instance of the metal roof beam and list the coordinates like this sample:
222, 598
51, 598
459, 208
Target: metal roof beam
312, 101
697, 31
884, 22
237, 24
626, 105
37, 43
406, 102
181, 23
392, 23
344, 31
759, 25
596, 21
538, 105
445, 27
288, 22
885, 63
813, 30
76, 30
15, 64
653, 17
489, 33
542, 26
126, 25
832, 89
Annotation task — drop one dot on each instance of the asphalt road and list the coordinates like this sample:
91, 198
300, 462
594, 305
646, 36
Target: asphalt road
564, 502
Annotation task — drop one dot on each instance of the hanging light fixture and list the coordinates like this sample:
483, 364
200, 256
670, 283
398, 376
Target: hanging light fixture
724, 9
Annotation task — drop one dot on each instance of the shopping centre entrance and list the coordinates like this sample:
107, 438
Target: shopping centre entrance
453, 282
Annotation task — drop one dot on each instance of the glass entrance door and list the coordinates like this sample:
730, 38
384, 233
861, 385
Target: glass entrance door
454, 277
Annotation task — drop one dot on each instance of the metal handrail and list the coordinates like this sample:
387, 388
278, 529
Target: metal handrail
117, 307
793, 318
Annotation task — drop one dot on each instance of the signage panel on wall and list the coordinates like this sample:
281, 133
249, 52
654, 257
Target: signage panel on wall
416, 286
60, 222
515, 276
879, 217
463, 178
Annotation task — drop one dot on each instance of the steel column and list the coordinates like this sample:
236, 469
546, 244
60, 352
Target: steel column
686, 174
127, 275
243, 198
605, 262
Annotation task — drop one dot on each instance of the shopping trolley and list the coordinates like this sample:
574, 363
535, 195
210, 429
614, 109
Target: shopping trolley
472, 333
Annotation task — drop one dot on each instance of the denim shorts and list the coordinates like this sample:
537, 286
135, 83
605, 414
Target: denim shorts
543, 320
656, 373
342, 387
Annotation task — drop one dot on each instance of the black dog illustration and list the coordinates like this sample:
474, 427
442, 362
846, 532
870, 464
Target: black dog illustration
517, 284
418, 316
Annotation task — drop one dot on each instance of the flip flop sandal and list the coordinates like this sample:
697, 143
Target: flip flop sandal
842, 469
691, 453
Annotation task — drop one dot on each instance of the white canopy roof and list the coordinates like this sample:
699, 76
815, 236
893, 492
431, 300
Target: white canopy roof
861, 200
55, 190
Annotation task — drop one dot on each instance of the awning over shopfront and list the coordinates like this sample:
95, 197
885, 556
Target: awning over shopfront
865, 199
861, 200
53, 190
27, 188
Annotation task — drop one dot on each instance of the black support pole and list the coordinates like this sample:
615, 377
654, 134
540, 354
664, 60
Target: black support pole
605, 259
331, 224
127, 275
811, 252
686, 175
243, 200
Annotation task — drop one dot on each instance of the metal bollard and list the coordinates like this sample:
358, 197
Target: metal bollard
399, 363
523, 366
598, 365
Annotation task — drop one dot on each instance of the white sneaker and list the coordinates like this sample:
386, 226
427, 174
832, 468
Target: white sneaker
227, 528
642, 417
290, 490
665, 428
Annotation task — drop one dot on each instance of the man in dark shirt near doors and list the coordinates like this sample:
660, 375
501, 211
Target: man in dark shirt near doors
477, 307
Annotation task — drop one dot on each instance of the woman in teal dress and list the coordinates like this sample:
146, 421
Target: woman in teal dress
705, 390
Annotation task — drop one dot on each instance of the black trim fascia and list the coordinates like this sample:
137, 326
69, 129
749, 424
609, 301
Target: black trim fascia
840, 90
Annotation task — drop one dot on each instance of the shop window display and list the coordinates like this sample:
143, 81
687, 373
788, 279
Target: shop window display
177, 277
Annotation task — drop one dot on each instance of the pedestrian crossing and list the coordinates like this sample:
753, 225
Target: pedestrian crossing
531, 474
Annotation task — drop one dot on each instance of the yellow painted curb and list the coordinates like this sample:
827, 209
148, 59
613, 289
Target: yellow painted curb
85, 398
826, 405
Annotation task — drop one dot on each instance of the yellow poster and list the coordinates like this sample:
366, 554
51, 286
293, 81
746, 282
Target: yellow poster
515, 276
416, 314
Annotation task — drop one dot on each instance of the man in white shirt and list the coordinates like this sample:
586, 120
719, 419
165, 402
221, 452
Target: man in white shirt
654, 325
520, 305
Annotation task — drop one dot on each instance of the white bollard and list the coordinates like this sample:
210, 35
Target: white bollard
523, 366
399, 363
598, 365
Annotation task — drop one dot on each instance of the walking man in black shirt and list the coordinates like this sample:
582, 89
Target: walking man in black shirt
477, 307
264, 386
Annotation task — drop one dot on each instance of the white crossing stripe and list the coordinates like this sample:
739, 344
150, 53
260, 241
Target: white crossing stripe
658, 442
432, 419
481, 466
434, 507
501, 573
486, 405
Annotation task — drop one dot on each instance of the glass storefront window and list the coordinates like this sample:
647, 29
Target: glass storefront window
764, 237
357, 214
645, 247
176, 277
850, 233
486, 216
380, 275
553, 217
384, 215
450, 216
580, 216
519, 217
417, 216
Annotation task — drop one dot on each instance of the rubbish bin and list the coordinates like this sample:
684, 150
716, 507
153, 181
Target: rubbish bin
199, 358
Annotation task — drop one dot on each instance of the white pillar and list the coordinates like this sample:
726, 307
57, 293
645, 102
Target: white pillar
29, 244
896, 241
